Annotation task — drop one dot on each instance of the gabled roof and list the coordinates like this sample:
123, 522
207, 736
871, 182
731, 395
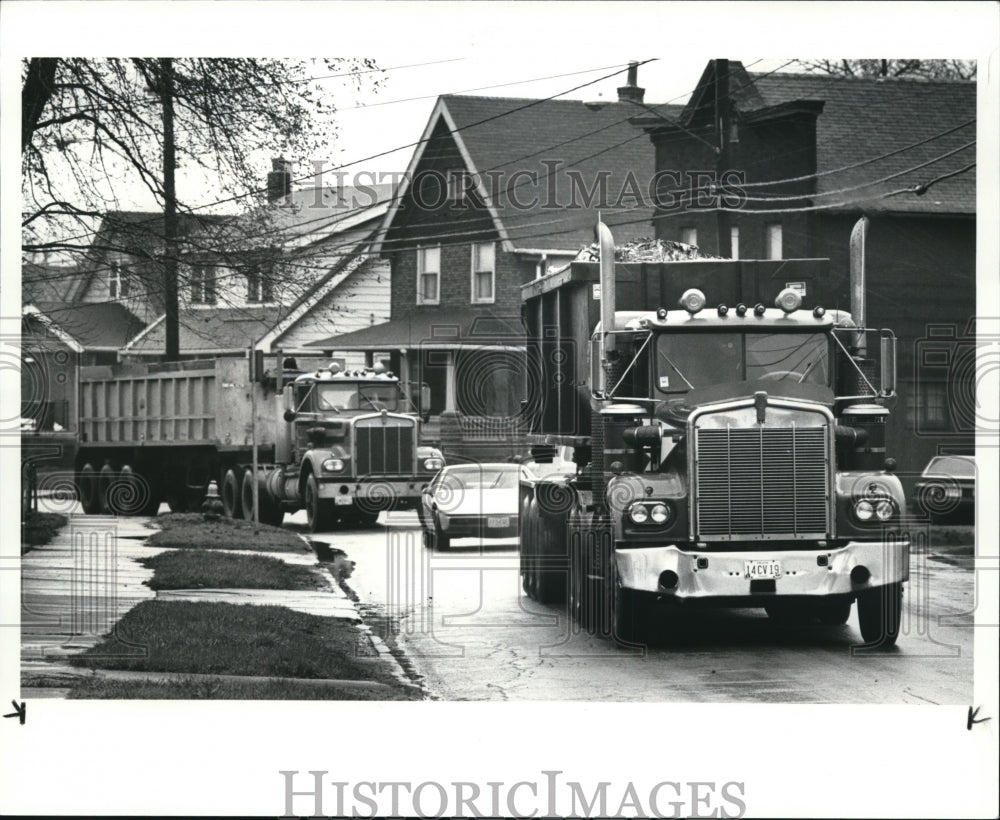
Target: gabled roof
557, 146
207, 331
433, 329
94, 325
865, 118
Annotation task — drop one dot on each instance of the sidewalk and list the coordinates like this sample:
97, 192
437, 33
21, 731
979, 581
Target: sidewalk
77, 587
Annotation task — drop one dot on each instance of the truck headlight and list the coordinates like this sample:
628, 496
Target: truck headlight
864, 510
433, 463
333, 465
884, 509
660, 513
638, 513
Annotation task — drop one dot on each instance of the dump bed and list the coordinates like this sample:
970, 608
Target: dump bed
562, 309
202, 402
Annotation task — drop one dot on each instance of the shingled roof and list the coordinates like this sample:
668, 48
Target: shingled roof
864, 118
95, 325
207, 331
555, 141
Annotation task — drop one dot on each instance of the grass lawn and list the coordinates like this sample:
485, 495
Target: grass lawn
191, 530
218, 689
194, 569
38, 528
234, 639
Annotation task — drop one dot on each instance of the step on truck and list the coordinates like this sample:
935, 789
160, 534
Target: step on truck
344, 445
729, 451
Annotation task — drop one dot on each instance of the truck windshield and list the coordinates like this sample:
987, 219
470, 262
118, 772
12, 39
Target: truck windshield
354, 396
688, 360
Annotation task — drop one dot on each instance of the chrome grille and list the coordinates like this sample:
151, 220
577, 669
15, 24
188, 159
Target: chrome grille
760, 482
384, 446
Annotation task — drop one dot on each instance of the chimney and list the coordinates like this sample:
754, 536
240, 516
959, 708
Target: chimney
630, 92
279, 180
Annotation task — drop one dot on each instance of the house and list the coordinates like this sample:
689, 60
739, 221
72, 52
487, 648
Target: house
279, 277
498, 191
812, 154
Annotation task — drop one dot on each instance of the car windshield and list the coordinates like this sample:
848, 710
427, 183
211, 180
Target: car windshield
487, 478
951, 466
354, 396
689, 360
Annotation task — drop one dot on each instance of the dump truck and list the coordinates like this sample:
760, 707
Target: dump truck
343, 444
727, 420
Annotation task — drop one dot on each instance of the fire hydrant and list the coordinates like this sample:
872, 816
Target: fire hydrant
211, 507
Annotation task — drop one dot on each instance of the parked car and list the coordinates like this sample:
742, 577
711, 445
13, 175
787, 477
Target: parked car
470, 501
947, 488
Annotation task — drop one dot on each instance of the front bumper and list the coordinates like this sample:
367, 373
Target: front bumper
479, 526
801, 571
383, 494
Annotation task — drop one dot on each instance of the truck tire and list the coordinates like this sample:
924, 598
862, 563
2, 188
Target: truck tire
319, 512
880, 611
232, 497
106, 490
134, 494
87, 488
270, 512
549, 546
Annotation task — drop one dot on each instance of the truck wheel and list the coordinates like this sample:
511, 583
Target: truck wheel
442, 541
318, 511
834, 613
550, 584
105, 492
880, 611
87, 487
232, 500
132, 494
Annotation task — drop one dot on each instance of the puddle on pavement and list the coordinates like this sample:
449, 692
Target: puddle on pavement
339, 564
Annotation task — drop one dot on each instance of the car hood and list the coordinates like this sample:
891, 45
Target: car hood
481, 502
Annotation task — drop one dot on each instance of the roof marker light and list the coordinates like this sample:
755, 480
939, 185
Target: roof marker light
819, 312
741, 309
789, 300
661, 314
723, 310
758, 309
692, 300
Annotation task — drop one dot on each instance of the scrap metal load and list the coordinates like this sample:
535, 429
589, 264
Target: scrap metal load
727, 419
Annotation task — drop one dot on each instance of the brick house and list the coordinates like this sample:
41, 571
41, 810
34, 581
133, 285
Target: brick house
498, 191
848, 147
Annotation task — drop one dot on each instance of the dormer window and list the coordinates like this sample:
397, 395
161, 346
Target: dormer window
203, 285
119, 285
260, 284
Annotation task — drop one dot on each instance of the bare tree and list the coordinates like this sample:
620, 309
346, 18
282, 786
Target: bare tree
94, 127
911, 69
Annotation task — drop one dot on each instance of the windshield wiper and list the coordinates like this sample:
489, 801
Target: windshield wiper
677, 370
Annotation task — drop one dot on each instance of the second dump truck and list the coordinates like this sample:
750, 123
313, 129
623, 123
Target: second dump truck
728, 426
342, 444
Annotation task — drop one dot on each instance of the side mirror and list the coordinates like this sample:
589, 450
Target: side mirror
289, 415
888, 363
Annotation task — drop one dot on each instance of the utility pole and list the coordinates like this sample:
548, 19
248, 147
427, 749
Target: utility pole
171, 310
723, 117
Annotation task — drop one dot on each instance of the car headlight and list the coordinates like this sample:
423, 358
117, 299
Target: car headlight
433, 463
660, 513
638, 513
333, 465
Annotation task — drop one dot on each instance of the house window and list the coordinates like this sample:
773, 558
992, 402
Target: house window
260, 284
118, 281
734, 243
772, 241
483, 272
689, 236
203, 285
428, 275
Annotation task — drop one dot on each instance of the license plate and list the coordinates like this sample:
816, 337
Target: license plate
496, 521
762, 569
342, 500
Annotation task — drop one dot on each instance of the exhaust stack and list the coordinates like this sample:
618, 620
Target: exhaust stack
607, 246
859, 236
